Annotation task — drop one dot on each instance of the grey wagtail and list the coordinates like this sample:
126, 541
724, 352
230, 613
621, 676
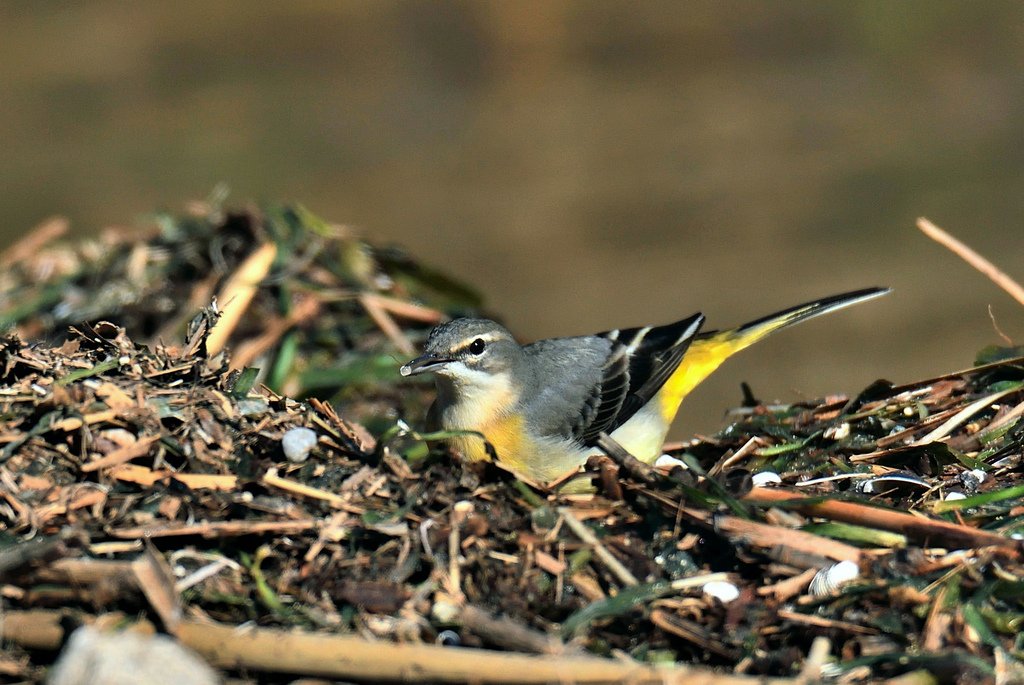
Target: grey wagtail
543, 406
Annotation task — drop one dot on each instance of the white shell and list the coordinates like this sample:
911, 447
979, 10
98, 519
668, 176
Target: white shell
444, 611
972, 479
667, 462
838, 432
297, 443
892, 480
765, 478
722, 590
831, 578
954, 495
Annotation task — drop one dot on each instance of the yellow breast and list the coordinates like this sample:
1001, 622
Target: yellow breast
505, 436
483, 405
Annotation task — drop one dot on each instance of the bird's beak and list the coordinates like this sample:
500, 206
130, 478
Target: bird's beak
424, 364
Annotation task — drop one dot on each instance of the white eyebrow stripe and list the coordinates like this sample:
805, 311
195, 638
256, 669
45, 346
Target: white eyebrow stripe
486, 337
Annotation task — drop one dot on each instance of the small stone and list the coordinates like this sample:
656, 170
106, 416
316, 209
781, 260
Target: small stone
92, 657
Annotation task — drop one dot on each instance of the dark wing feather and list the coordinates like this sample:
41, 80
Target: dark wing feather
640, 361
607, 398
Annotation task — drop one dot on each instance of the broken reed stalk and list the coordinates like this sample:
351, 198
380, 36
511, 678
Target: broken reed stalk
512, 635
986, 267
796, 542
918, 528
347, 657
238, 292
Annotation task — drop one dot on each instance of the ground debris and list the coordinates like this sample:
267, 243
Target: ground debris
142, 475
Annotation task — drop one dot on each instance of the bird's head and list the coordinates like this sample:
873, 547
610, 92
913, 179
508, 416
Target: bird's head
467, 351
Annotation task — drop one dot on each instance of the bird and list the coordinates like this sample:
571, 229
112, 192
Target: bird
539, 409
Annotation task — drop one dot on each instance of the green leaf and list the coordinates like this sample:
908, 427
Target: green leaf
717, 490
244, 382
284, 361
980, 500
861, 534
974, 619
356, 370
616, 605
78, 374
995, 353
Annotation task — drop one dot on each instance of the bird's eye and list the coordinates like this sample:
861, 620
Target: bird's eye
476, 347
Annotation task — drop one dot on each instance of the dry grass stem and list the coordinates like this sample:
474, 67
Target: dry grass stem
1012, 288
606, 557
237, 293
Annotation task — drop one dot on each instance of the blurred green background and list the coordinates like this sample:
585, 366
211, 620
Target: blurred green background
587, 165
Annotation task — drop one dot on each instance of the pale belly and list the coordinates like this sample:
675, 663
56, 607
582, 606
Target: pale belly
644, 434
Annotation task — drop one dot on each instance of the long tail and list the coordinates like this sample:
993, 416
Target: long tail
710, 349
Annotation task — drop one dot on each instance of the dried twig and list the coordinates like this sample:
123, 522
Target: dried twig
156, 580
811, 672
742, 453
606, 557
381, 316
42, 550
248, 351
215, 529
822, 622
271, 479
788, 588
776, 537
123, 454
84, 571
997, 276
509, 634
141, 475
346, 657
405, 309
964, 414
915, 527
237, 293
693, 632
630, 464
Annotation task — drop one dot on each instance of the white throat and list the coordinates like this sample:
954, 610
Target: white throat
470, 399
